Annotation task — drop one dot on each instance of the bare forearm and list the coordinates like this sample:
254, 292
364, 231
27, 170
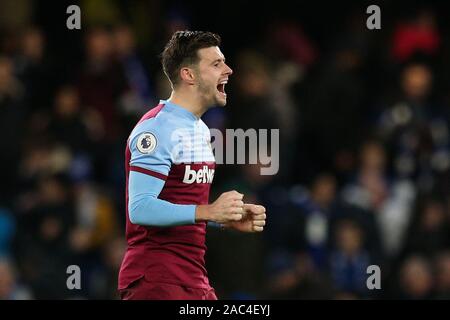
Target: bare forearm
202, 213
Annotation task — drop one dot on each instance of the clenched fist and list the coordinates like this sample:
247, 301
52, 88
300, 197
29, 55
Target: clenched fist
253, 220
227, 208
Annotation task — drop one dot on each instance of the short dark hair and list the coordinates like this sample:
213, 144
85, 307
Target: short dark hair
182, 50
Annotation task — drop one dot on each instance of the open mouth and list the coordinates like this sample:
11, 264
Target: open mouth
221, 87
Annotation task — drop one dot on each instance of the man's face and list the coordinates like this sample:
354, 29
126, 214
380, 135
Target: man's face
212, 75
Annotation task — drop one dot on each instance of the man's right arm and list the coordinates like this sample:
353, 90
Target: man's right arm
150, 164
144, 207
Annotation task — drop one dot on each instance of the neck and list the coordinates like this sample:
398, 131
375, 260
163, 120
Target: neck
188, 101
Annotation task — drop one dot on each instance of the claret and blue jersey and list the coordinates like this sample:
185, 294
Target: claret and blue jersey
169, 169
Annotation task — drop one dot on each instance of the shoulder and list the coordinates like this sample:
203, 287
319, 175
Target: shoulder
203, 124
204, 127
158, 127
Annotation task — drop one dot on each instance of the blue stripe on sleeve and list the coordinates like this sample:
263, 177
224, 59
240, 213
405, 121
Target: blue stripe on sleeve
144, 207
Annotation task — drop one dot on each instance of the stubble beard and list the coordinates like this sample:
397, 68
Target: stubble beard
209, 95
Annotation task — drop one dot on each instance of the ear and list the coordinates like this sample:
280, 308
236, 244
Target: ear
187, 75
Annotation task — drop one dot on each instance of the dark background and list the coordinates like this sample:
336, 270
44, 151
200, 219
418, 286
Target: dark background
364, 149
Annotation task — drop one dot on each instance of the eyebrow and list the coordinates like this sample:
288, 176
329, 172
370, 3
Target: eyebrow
218, 59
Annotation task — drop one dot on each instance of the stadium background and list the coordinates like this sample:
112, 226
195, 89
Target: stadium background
364, 123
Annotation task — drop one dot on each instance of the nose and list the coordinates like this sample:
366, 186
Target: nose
228, 70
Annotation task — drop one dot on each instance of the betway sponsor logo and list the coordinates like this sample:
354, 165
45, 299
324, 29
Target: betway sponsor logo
204, 175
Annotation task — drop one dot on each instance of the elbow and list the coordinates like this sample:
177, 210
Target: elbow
138, 213
133, 216
133, 213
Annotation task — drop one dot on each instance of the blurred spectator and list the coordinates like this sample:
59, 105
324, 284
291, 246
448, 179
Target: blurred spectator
244, 279
101, 82
291, 42
416, 130
332, 114
40, 159
349, 260
263, 101
320, 219
371, 177
70, 124
298, 238
103, 12
318, 210
34, 70
12, 113
92, 230
101, 85
43, 244
95, 223
442, 264
101, 277
430, 232
140, 95
416, 279
299, 280
420, 34
23, 11
388, 202
10, 289
7, 231
177, 19
113, 254
250, 100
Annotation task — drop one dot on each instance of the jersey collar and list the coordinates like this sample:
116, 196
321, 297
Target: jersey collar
179, 110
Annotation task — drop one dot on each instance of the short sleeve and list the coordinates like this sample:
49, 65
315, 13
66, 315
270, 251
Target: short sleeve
151, 149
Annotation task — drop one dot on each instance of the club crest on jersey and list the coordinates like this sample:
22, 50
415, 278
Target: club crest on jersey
146, 143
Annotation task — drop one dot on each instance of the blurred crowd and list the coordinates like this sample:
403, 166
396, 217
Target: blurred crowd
364, 119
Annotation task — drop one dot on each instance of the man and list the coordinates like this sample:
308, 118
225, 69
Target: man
169, 168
